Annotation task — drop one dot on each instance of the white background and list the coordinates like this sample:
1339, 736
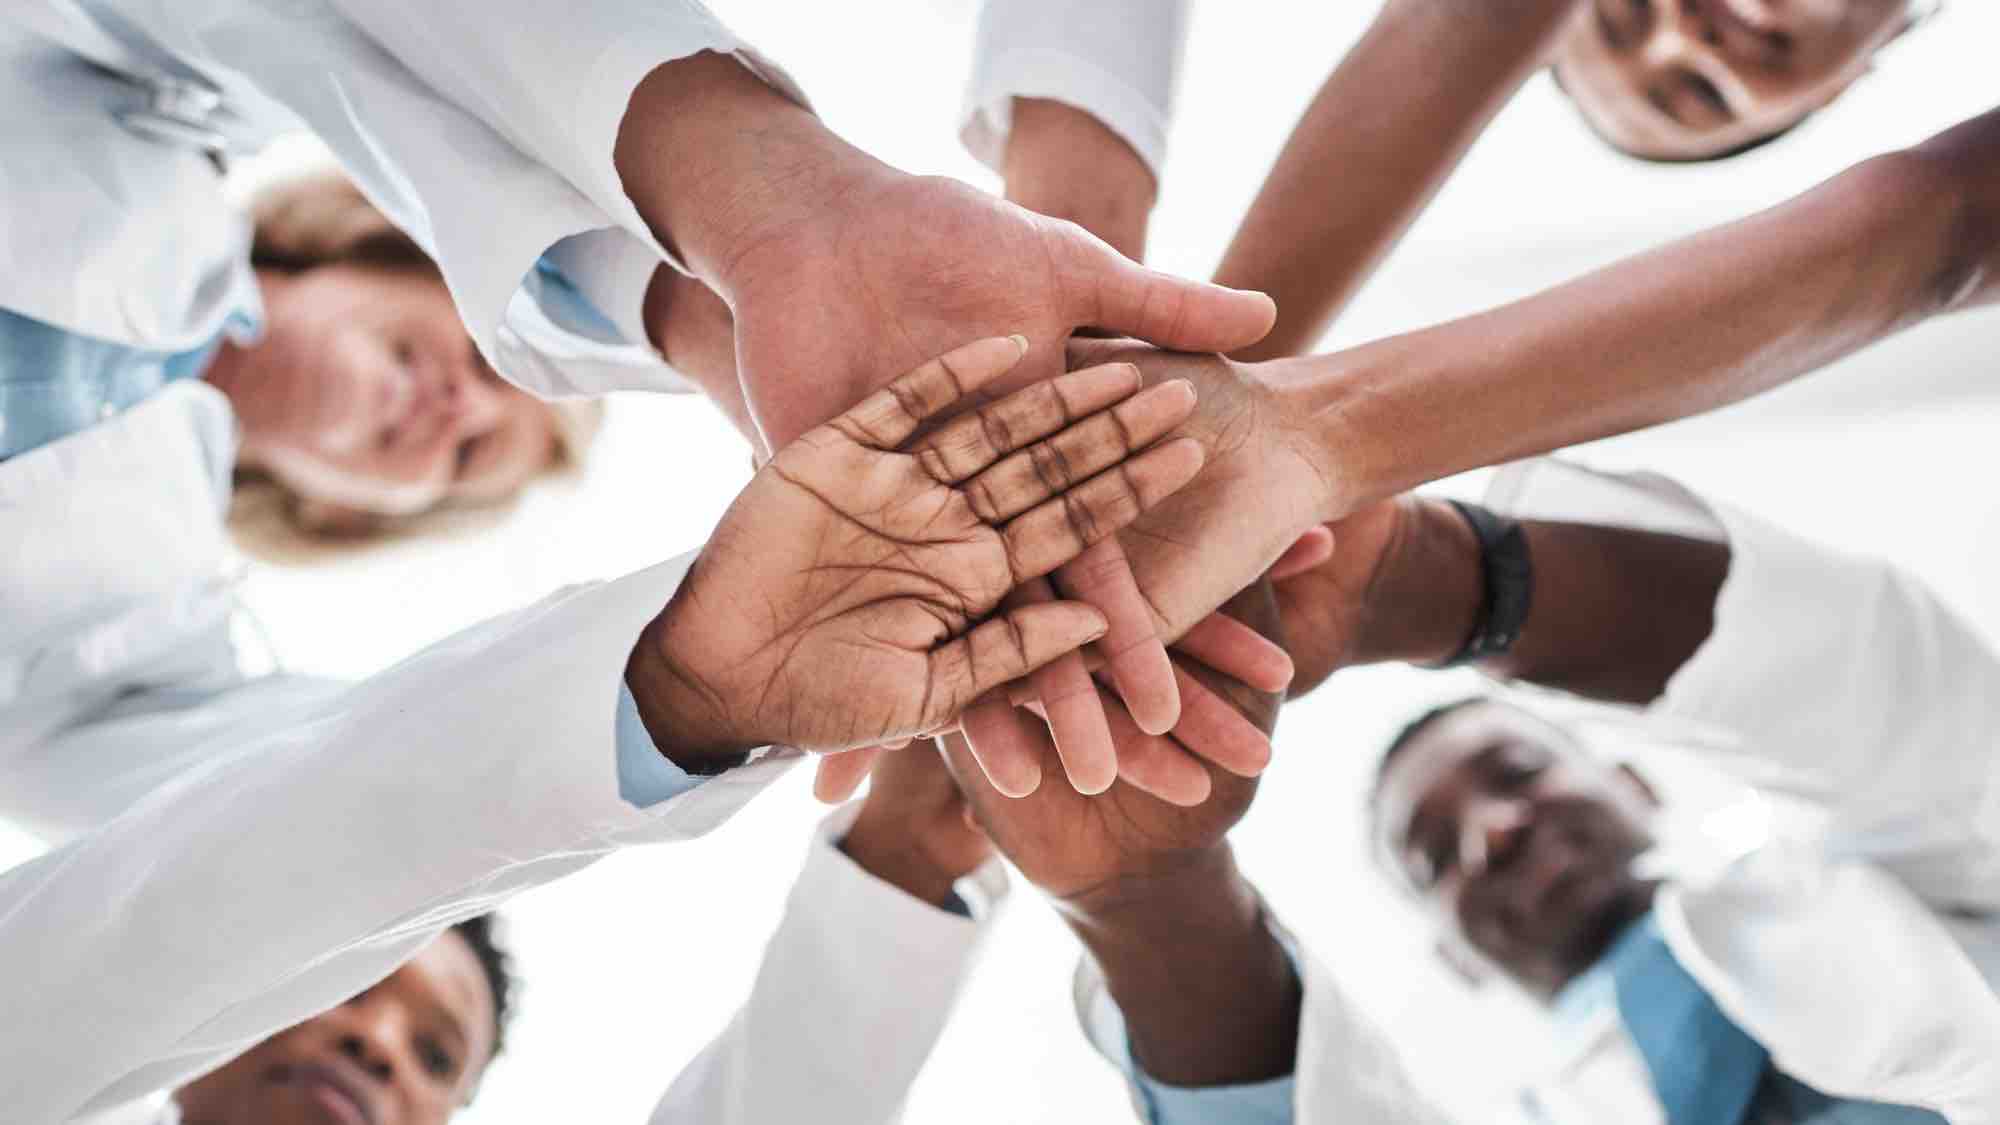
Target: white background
632, 965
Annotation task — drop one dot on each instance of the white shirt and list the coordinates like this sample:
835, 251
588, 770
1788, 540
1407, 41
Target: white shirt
1118, 60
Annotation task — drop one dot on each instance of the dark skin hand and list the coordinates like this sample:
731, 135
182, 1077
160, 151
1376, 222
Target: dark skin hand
912, 831
1614, 612
1152, 889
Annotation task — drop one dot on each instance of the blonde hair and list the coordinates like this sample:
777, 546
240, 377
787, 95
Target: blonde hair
317, 219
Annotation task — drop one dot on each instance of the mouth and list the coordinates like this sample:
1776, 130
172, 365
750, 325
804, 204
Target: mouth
335, 1092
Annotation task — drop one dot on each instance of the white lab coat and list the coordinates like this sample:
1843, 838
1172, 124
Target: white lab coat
1858, 938
855, 987
485, 130
1118, 60
240, 853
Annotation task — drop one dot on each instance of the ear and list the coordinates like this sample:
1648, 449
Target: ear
1469, 967
1636, 784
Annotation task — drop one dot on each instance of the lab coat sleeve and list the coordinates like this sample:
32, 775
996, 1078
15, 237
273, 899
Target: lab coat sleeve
855, 987
319, 847
1833, 677
1118, 60
1346, 1070
484, 129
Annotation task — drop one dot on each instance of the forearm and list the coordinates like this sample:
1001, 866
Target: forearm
1209, 996
1366, 157
693, 331
715, 161
1062, 162
1687, 328
1613, 615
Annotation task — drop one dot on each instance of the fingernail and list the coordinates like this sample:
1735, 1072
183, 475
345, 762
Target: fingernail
1020, 342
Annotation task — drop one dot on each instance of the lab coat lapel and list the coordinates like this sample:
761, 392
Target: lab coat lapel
1852, 983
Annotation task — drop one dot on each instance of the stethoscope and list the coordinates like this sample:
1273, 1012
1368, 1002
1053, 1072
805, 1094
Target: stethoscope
175, 105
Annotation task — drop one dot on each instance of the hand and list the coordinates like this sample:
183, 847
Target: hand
839, 601
1086, 851
838, 268
1262, 488
913, 830
1064, 163
1208, 994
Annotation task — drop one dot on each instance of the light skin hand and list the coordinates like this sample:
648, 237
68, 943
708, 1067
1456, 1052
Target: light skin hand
913, 831
838, 268
1152, 890
840, 601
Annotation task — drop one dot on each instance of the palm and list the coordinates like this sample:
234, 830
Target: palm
840, 600
881, 565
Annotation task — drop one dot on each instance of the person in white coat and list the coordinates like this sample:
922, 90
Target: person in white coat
609, 143
1824, 952
238, 852
887, 920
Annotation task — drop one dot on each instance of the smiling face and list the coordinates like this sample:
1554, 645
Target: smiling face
1519, 840
365, 393
408, 1051
1697, 79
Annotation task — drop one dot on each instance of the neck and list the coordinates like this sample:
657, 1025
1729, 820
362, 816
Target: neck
237, 369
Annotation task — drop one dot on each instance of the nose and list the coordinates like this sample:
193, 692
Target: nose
367, 1035
1489, 834
474, 400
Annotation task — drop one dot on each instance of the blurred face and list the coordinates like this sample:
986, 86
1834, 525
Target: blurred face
365, 393
1520, 841
1690, 79
408, 1051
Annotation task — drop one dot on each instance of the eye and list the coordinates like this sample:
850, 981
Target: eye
1624, 22
467, 449
438, 1062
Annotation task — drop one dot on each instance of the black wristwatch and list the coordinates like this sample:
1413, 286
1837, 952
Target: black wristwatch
1507, 580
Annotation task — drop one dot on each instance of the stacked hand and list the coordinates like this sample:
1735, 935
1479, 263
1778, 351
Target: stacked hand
840, 270
844, 597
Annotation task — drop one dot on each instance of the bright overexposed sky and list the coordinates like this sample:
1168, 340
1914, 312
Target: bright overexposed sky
633, 964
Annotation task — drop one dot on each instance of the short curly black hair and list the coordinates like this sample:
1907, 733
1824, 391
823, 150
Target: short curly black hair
498, 964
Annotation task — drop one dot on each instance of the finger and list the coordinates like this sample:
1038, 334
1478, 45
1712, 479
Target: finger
887, 418
841, 774
1008, 646
1056, 531
977, 438
1107, 291
1156, 765
1238, 652
1075, 715
1058, 464
1310, 550
1214, 729
1131, 649
1004, 744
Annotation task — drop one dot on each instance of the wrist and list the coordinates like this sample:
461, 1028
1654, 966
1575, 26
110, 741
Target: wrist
1425, 597
1209, 995
681, 712
1064, 163
716, 160
892, 853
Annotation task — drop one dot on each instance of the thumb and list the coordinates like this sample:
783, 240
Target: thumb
1006, 647
1107, 291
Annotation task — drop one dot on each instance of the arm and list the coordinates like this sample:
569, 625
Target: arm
1690, 327
873, 914
1693, 326
1366, 158
1831, 677
1072, 106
